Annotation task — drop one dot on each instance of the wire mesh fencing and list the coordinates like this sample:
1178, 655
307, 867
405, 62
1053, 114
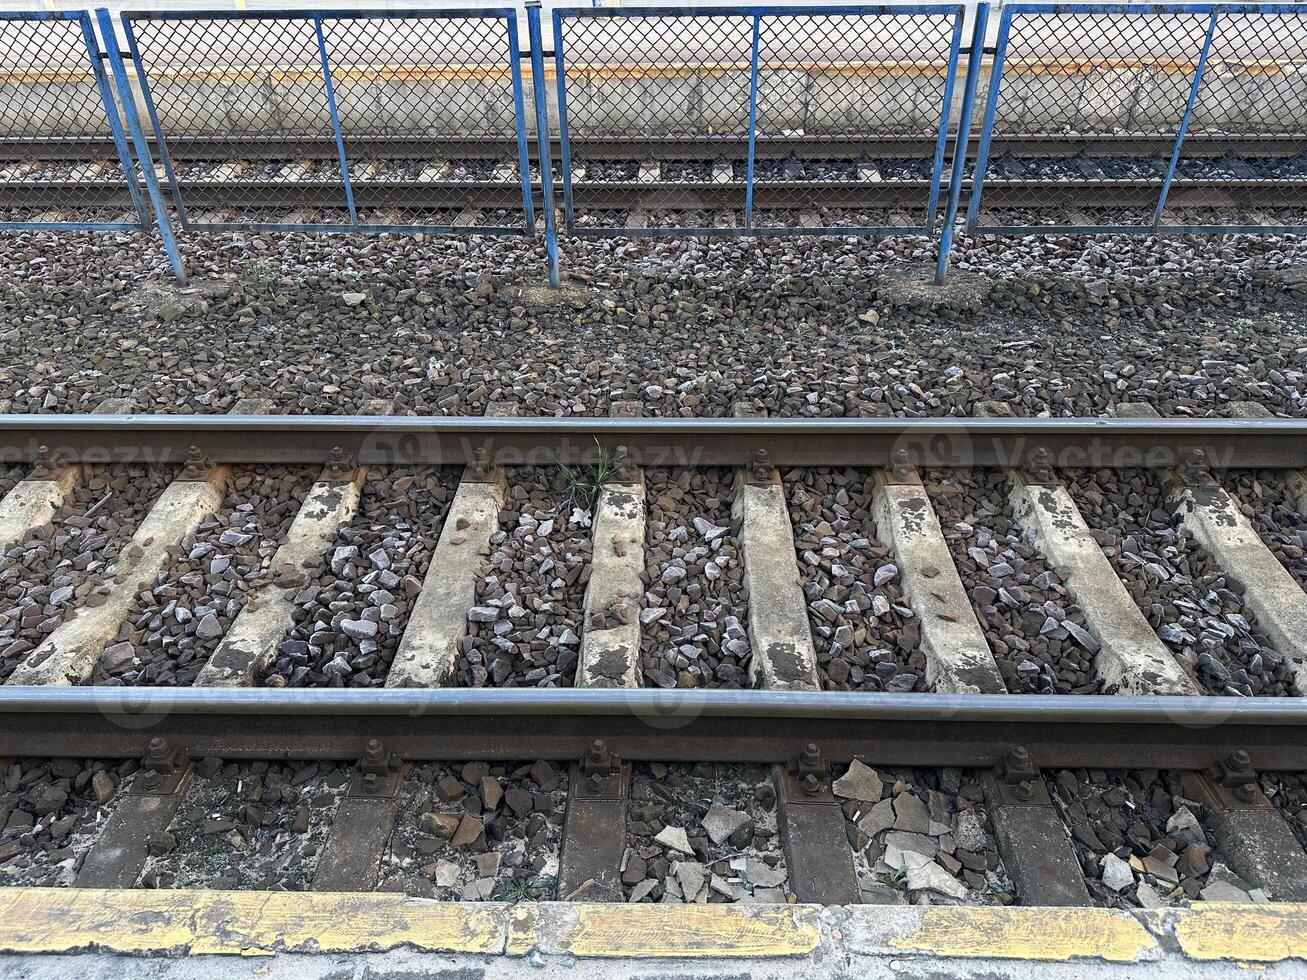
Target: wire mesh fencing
1243, 162
64, 162
339, 121
749, 120
734, 120
1183, 117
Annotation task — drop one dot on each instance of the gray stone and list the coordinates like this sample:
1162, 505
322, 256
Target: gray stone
359, 629
931, 877
692, 877
720, 822
642, 889
761, 874
910, 814
675, 839
1117, 874
859, 783
880, 817
208, 628
117, 657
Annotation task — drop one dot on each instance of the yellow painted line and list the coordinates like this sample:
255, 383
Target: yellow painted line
689, 930
47, 76
405, 73
1247, 933
56, 920
1058, 934
157, 922
1062, 66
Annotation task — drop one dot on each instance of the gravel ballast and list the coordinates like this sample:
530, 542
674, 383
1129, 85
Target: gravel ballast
175, 626
1196, 609
352, 614
248, 825
67, 562
1038, 635
1288, 791
50, 813
921, 836
865, 633
1140, 842
10, 476
804, 327
525, 629
478, 832
694, 620
1262, 498
703, 834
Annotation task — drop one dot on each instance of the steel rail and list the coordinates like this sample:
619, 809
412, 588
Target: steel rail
643, 147
728, 726
790, 195
403, 440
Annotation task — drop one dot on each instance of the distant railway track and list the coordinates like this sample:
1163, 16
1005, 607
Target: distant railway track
642, 146
679, 195
620, 174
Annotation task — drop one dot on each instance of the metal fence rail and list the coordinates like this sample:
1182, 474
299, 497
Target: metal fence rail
754, 93
53, 85
1156, 72
407, 120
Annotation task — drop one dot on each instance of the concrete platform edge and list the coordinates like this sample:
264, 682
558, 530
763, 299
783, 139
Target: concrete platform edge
303, 928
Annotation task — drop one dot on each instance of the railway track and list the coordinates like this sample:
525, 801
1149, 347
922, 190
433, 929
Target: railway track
470, 176
489, 672
464, 196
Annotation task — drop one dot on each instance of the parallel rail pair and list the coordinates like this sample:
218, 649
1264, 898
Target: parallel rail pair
1224, 746
753, 726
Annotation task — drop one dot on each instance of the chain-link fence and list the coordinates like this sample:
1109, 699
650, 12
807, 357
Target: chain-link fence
1142, 118
64, 163
754, 120
735, 120
1243, 163
358, 121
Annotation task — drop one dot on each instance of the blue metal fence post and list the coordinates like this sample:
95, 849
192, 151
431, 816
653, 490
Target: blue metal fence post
519, 117
946, 111
753, 121
564, 144
542, 135
142, 78
335, 122
111, 113
962, 144
987, 127
143, 156
1184, 120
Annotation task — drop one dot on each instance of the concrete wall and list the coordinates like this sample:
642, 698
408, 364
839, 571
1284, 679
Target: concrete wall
676, 102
